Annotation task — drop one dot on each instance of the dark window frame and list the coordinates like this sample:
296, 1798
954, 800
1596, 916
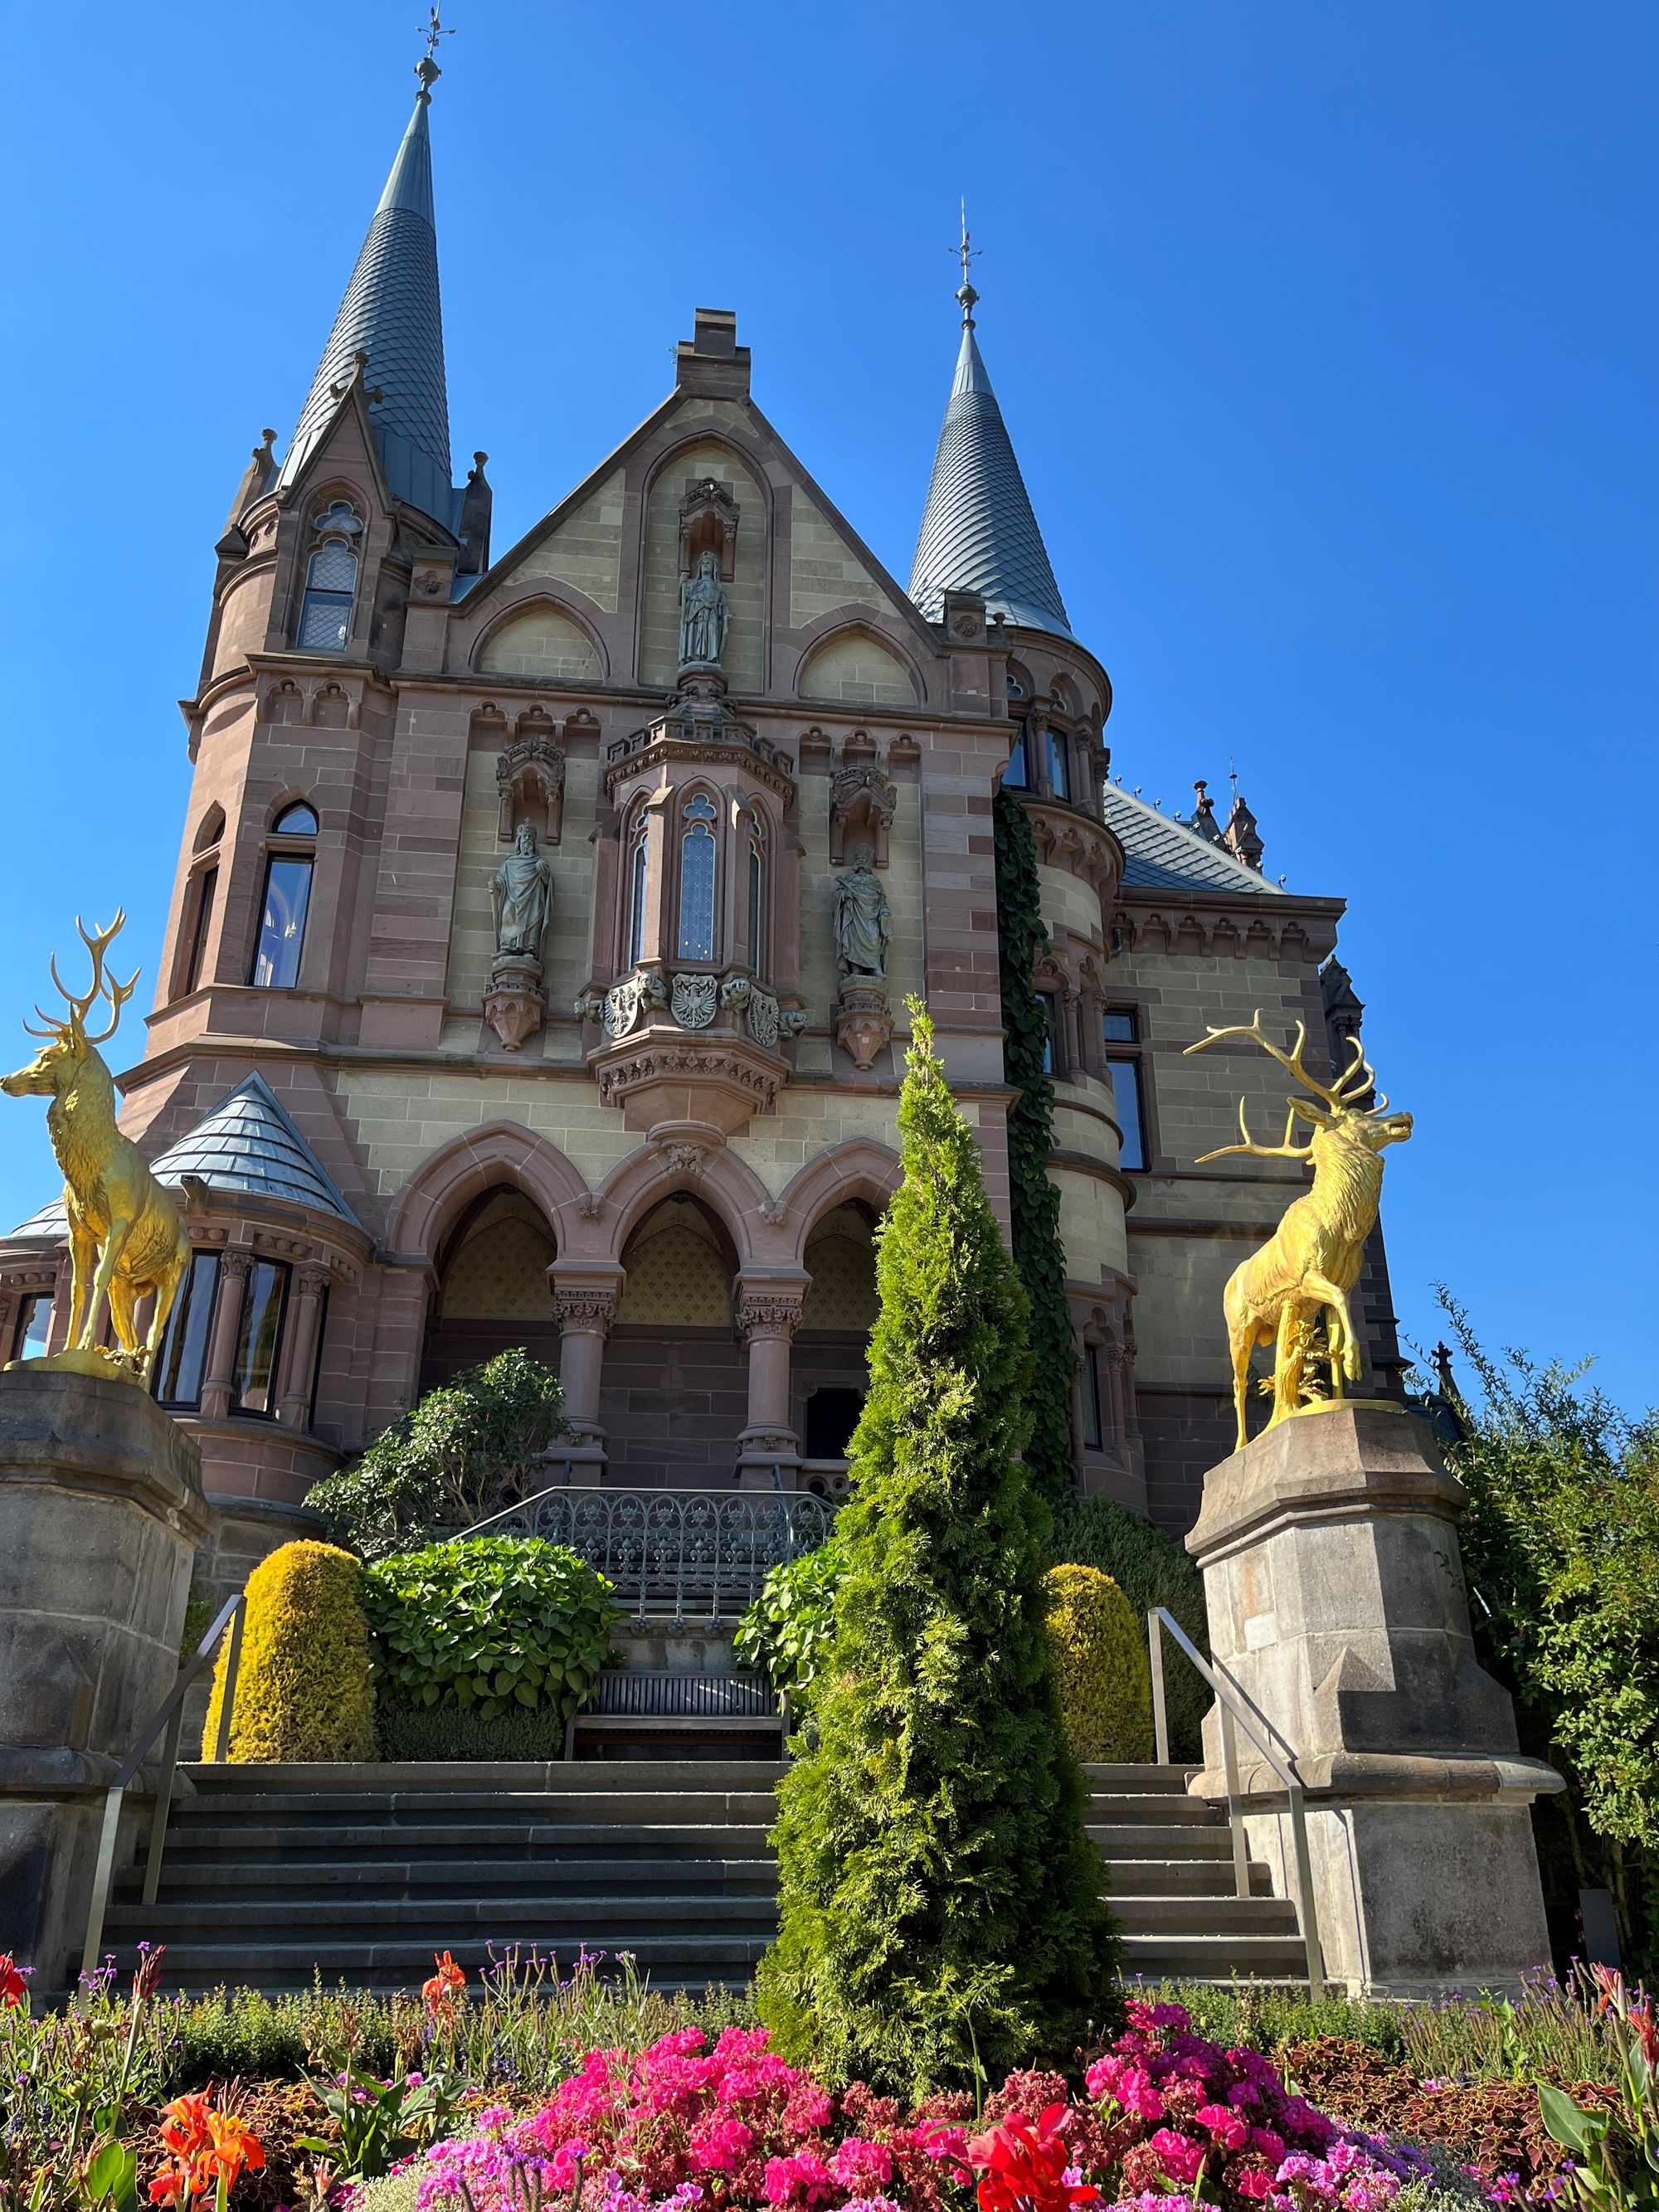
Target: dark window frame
28, 1304
238, 1407
1094, 1404
278, 856
204, 886
1131, 1139
184, 1311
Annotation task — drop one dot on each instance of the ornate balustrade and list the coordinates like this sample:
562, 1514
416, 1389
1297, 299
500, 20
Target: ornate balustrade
689, 1555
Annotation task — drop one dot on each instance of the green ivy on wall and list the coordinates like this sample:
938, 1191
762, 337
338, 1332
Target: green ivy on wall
1034, 1202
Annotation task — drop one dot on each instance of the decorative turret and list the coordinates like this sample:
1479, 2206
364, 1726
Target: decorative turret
1203, 817
392, 313
1241, 836
979, 532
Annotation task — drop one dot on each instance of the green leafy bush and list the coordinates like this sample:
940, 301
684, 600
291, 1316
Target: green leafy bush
1033, 1198
1149, 1570
789, 1631
466, 1450
1100, 1663
304, 1689
1560, 1545
940, 1899
489, 1624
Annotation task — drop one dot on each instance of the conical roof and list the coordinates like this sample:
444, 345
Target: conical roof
392, 312
979, 532
247, 1143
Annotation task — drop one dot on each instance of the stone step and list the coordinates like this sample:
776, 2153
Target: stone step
1220, 1916
1182, 1877
1160, 1809
514, 1919
468, 1777
372, 1877
473, 1844
413, 1808
1214, 1958
1138, 1839
273, 1961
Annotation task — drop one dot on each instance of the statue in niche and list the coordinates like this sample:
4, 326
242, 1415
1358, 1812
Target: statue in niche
863, 921
705, 616
521, 892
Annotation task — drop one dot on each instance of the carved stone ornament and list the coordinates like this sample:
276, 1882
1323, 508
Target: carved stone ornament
694, 1001
530, 771
863, 1024
621, 1007
515, 1006
863, 800
585, 1309
768, 1312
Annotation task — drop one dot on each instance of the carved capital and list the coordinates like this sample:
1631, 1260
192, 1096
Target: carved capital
313, 1281
770, 1313
586, 1308
235, 1263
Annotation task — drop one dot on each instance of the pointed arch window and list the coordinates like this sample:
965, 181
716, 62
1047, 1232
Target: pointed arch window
331, 582
639, 870
756, 889
697, 858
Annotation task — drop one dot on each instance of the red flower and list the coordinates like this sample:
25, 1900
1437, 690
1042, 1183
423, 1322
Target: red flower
13, 1988
1025, 2166
1647, 2035
438, 1992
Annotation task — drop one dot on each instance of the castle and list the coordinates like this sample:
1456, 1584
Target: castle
545, 921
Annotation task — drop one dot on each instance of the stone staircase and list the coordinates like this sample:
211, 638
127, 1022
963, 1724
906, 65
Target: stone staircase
361, 1872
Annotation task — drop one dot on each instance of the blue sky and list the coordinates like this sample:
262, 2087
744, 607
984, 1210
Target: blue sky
1325, 336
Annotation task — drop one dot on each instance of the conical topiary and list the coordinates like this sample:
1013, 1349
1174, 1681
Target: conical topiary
940, 1903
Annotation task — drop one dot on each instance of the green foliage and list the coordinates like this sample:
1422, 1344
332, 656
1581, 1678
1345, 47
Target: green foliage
789, 1631
199, 1609
1101, 1674
940, 1908
304, 1690
465, 1450
1560, 1545
449, 1732
490, 1624
1033, 1199
1261, 2016
1149, 1570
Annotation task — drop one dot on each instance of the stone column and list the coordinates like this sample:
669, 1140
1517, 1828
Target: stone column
585, 1298
769, 1308
294, 1406
101, 1512
1337, 1603
219, 1370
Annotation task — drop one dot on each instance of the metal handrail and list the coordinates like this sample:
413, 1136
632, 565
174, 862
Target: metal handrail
1235, 1709
171, 1717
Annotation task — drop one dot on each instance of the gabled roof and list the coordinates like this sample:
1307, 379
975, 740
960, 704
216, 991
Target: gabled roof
1161, 854
978, 532
247, 1143
392, 312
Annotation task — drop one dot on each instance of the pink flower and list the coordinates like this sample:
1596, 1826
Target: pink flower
1225, 2125
1179, 2156
862, 2168
802, 2179
720, 2143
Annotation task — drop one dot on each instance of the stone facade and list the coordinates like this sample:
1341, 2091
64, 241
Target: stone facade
722, 1076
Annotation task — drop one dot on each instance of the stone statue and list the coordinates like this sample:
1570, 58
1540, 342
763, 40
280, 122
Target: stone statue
863, 922
521, 892
126, 1239
705, 616
1310, 1264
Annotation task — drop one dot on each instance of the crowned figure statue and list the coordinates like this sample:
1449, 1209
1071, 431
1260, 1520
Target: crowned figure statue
521, 893
863, 922
705, 615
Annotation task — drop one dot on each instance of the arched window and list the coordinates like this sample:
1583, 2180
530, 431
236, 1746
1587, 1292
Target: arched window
297, 821
696, 937
756, 900
331, 582
1060, 765
286, 902
638, 870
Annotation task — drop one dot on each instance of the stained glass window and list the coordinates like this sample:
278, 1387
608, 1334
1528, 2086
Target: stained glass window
696, 940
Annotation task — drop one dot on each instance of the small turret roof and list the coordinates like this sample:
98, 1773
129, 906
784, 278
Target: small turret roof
392, 311
247, 1143
1163, 854
979, 532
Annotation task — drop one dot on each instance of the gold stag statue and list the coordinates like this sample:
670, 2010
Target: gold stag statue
126, 1238
1312, 1262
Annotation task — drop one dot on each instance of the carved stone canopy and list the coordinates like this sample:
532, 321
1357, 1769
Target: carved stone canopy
862, 803
708, 524
529, 781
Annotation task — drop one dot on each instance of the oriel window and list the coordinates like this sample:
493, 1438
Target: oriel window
697, 936
282, 921
259, 1339
331, 584
182, 1358
639, 869
757, 903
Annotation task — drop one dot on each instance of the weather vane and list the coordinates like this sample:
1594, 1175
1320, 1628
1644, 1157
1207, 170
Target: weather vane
966, 253
433, 31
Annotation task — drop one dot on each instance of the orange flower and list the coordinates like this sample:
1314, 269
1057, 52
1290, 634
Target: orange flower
438, 1992
232, 2149
184, 2125
13, 1988
171, 2186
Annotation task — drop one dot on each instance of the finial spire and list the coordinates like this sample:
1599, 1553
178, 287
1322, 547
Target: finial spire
426, 68
964, 252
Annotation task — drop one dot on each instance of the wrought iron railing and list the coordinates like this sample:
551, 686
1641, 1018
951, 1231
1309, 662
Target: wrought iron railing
659, 1694
684, 1555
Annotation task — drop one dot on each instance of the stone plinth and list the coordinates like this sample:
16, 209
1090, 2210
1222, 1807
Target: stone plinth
101, 1512
1337, 1603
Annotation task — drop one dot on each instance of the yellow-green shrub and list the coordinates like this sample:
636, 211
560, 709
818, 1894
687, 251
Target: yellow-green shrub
304, 1689
1101, 1669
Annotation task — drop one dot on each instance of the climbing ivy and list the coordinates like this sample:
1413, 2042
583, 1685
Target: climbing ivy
1034, 1202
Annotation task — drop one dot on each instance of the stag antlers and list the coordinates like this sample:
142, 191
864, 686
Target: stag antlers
73, 1031
1341, 1096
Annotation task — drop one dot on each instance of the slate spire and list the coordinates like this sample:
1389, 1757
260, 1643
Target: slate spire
391, 312
979, 533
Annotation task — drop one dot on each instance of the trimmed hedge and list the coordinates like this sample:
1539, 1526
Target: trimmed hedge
490, 1624
1149, 1570
1101, 1669
305, 1689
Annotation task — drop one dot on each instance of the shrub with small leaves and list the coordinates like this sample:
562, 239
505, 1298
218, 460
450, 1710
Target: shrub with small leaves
494, 1623
789, 1631
1100, 1668
304, 1689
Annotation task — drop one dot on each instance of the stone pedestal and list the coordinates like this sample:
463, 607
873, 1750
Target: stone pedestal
1337, 1603
101, 1512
